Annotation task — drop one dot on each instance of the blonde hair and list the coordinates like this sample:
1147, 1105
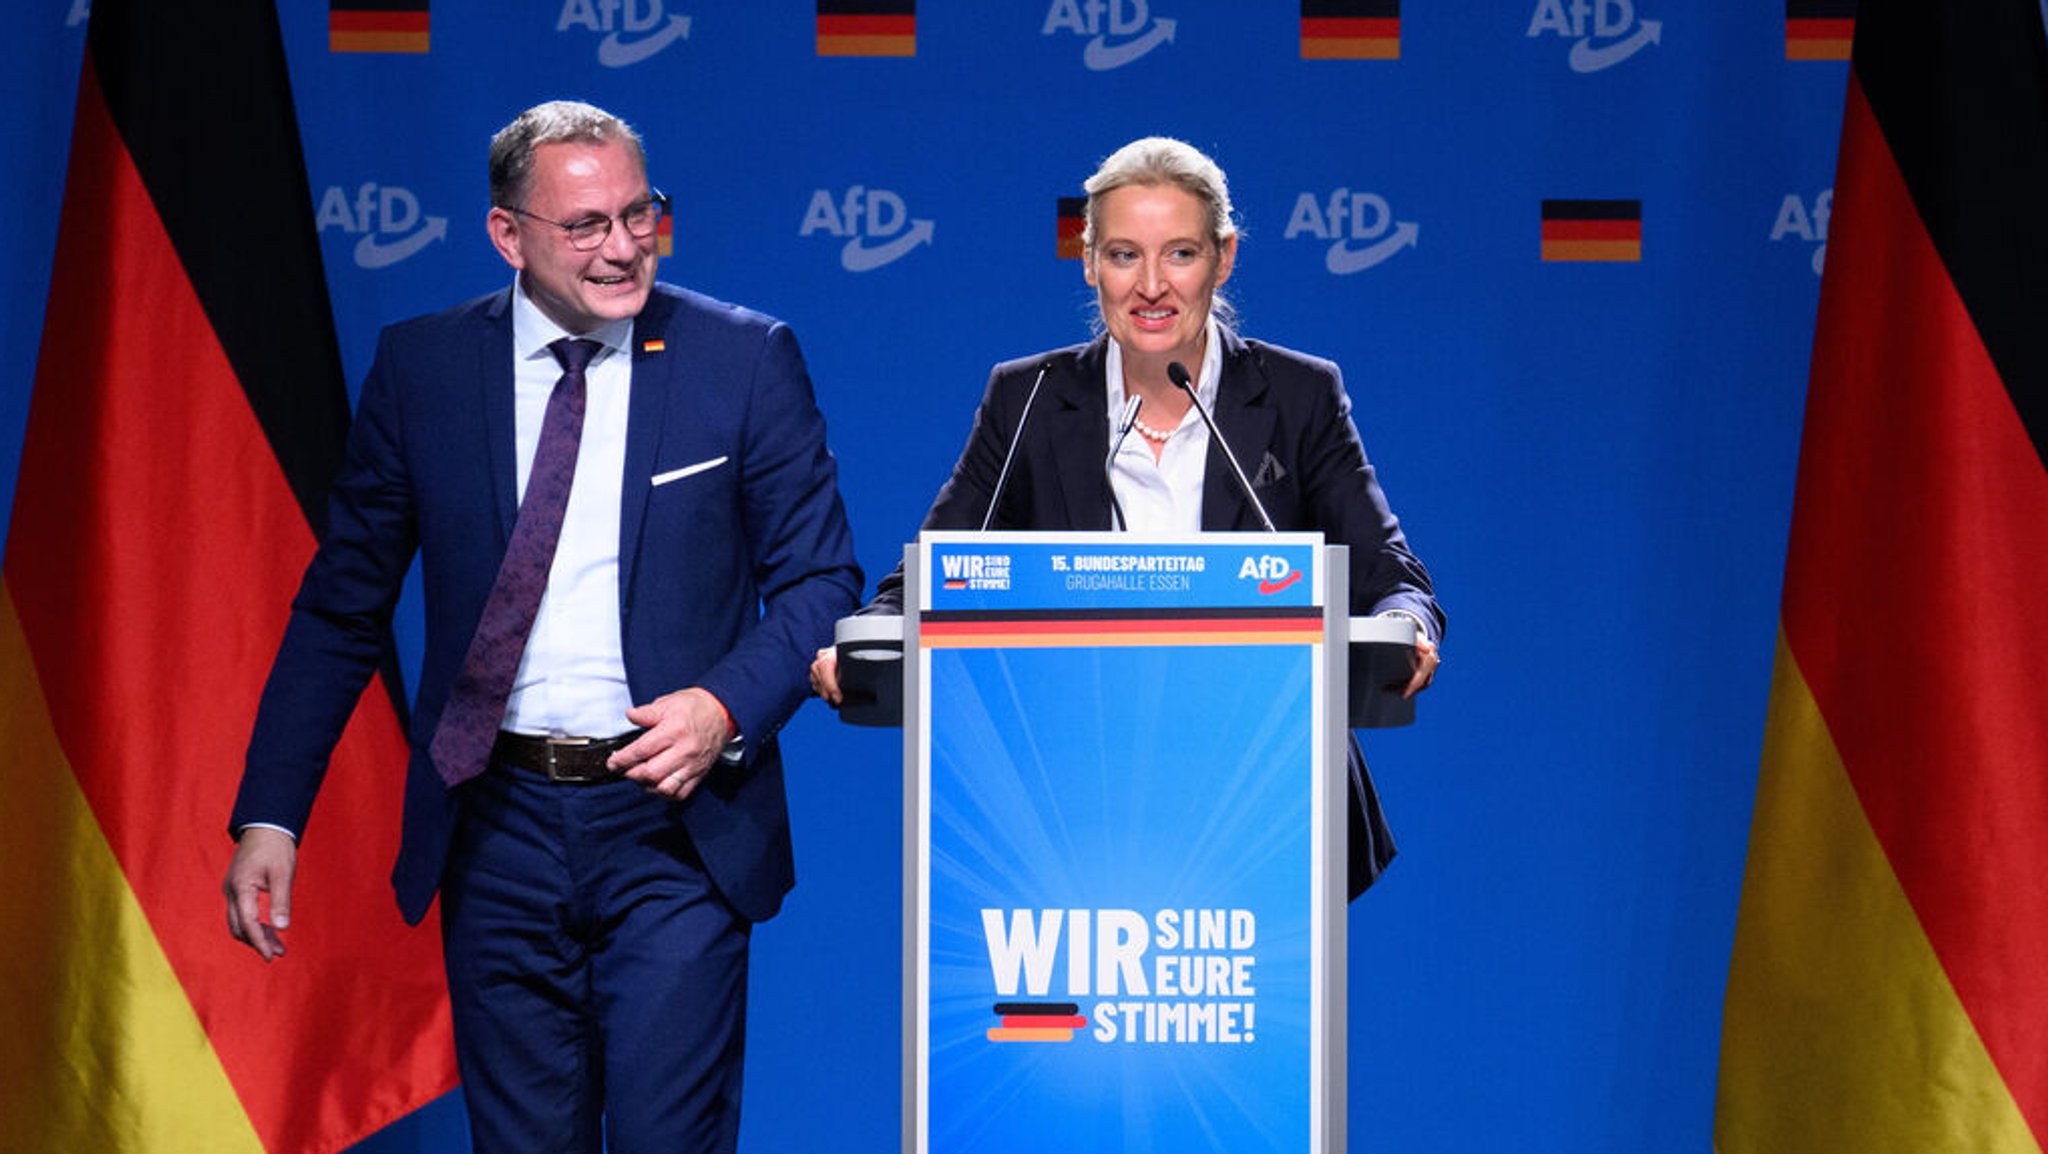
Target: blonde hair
1162, 160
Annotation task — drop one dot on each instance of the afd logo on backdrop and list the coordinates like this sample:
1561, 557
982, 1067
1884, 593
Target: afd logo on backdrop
1803, 220
875, 222
634, 30
81, 11
1360, 227
1603, 32
386, 218
1119, 31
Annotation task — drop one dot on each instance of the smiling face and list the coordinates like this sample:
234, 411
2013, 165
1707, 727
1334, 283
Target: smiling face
1155, 268
572, 181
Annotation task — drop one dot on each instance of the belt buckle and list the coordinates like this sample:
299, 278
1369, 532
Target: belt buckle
557, 772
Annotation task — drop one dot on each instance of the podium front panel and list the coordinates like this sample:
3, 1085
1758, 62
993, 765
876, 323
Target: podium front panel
1120, 874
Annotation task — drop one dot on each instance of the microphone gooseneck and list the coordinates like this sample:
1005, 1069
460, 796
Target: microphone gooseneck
1123, 429
1178, 374
1010, 454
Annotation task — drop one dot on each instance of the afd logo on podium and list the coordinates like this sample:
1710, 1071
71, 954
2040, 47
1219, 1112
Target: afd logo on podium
1272, 573
1180, 977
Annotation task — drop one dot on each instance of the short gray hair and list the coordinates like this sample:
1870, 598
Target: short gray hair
555, 122
1162, 160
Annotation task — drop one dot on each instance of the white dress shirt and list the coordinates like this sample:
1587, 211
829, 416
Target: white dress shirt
572, 679
1163, 495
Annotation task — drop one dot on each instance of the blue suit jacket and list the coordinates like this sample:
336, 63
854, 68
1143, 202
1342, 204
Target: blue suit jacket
1287, 417
729, 578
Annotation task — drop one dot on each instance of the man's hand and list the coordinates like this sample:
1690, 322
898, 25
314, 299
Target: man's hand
265, 860
686, 731
825, 675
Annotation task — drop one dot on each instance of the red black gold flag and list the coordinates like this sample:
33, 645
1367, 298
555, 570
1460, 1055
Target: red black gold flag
1819, 29
1073, 220
1350, 29
377, 25
867, 27
188, 412
1592, 230
1886, 990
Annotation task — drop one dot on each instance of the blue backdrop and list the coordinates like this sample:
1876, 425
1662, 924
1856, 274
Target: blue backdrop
1595, 459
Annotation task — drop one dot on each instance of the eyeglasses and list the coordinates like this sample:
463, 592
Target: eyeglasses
641, 218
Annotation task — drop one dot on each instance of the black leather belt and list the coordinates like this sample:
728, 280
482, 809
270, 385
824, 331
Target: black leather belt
568, 760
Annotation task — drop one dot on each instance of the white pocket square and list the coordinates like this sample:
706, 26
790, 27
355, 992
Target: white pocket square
687, 470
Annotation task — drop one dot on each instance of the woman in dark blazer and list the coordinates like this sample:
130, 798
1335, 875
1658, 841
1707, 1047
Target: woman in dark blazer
1158, 243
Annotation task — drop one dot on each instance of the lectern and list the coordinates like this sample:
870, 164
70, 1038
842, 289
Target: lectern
1124, 808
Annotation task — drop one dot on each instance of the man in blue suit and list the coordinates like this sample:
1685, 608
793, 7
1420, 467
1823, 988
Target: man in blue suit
601, 857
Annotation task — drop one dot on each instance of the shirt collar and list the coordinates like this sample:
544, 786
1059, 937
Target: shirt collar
533, 332
1205, 380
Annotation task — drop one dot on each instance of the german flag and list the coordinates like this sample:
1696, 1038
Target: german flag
867, 27
1350, 29
1819, 29
1072, 221
188, 411
1593, 230
377, 25
1887, 987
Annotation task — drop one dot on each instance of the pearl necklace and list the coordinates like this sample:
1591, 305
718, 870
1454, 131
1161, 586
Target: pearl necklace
1146, 431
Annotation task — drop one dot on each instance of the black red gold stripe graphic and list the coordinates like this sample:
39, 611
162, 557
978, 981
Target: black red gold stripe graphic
1072, 222
1592, 230
1819, 29
1012, 629
1037, 1022
867, 27
377, 26
1350, 29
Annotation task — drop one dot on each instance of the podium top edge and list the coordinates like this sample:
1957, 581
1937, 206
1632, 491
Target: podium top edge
1107, 537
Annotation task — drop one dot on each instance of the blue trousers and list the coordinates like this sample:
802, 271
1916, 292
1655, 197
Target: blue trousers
598, 979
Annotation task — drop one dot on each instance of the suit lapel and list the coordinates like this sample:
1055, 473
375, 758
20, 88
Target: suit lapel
494, 390
1247, 423
1079, 428
654, 367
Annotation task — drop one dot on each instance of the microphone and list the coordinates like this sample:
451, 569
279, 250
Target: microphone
1010, 454
1176, 373
1123, 429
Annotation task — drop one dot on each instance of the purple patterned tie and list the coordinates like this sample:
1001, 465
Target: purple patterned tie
476, 705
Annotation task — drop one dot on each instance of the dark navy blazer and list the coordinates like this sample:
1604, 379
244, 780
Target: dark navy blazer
729, 577
1287, 417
